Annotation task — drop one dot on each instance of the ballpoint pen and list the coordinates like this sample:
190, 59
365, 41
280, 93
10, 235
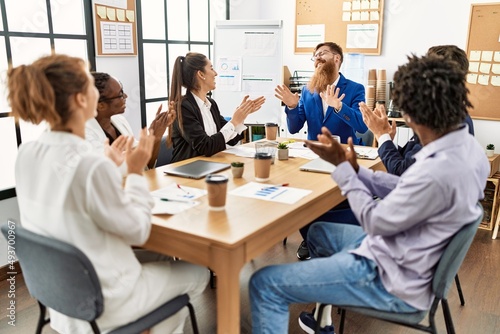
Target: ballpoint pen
176, 200
179, 186
275, 186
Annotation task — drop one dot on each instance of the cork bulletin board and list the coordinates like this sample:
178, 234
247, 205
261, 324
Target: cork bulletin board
483, 51
356, 25
115, 27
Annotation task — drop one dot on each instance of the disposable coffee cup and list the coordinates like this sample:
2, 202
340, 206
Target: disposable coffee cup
271, 131
262, 165
216, 191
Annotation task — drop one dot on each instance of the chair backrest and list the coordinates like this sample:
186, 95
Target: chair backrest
367, 137
453, 256
165, 153
58, 274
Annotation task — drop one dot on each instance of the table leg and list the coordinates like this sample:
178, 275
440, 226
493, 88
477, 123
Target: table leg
497, 223
227, 265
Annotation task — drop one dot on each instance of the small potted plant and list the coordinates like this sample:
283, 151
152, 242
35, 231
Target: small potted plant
283, 150
490, 150
237, 168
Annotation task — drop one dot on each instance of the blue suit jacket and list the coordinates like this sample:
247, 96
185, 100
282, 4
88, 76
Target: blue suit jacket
345, 123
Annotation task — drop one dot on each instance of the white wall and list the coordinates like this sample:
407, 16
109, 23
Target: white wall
409, 27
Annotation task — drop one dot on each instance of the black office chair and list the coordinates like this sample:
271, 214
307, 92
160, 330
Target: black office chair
446, 270
61, 277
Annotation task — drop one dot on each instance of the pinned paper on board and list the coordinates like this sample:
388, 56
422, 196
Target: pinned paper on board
346, 5
487, 56
365, 16
495, 80
346, 16
496, 56
495, 68
374, 16
365, 4
472, 78
473, 66
111, 14
101, 11
475, 56
356, 5
374, 4
483, 79
120, 15
485, 68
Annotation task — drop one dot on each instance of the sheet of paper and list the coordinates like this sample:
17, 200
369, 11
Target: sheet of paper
101, 11
487, 56
356, 16
247, 152
111, 14
171, 208
346, 16
475, 56
374, 16
496, 56
472, 78
485, 68
483, 80
266, 192
356, 5
473, 66
363, 36
309, 35
366, 152
120, 15
365, 16
374, 4
495, 68
495, 80
365, 4
346, 5
179, 192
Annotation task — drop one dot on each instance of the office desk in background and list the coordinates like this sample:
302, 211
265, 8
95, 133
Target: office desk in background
225, 240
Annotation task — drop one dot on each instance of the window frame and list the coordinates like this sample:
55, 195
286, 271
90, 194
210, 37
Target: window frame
166, 42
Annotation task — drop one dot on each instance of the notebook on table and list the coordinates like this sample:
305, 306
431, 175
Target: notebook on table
318, 165
197, 169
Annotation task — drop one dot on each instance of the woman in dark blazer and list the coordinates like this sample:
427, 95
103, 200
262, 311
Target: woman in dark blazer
199, 128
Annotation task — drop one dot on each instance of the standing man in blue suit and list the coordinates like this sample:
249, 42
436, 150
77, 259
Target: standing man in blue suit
329, 99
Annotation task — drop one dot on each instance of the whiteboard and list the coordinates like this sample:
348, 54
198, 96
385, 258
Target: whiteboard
248, 58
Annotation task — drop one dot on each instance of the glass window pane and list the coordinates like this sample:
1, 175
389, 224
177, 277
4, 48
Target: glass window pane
152, 108
9, 152
155, 71
217, 13
72, 47
200, 49
67, 17
174, 51
177, 19
27, 15
4, 66
1, 21
198, 18
153, 22
25, 50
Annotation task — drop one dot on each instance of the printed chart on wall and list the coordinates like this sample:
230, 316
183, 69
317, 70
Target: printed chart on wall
483, 50
115, 27
356, 25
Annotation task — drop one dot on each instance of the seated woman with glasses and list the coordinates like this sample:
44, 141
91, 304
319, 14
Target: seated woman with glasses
110, 122
199, 128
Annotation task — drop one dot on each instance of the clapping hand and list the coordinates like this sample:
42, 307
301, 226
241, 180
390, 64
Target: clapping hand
331, 97
138, 157
246, 108
116, 150
377, 121
163, 120
330, 150
286, 96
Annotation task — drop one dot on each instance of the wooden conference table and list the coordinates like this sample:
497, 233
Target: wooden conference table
225, 240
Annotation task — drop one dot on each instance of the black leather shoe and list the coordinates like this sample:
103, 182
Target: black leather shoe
303, 251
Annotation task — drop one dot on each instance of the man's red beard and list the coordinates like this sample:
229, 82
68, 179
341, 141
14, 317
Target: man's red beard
323, 76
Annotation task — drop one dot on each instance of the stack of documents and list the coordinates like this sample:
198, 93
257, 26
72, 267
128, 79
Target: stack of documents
175, 198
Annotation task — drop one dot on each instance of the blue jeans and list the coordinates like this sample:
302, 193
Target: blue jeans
332, 276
